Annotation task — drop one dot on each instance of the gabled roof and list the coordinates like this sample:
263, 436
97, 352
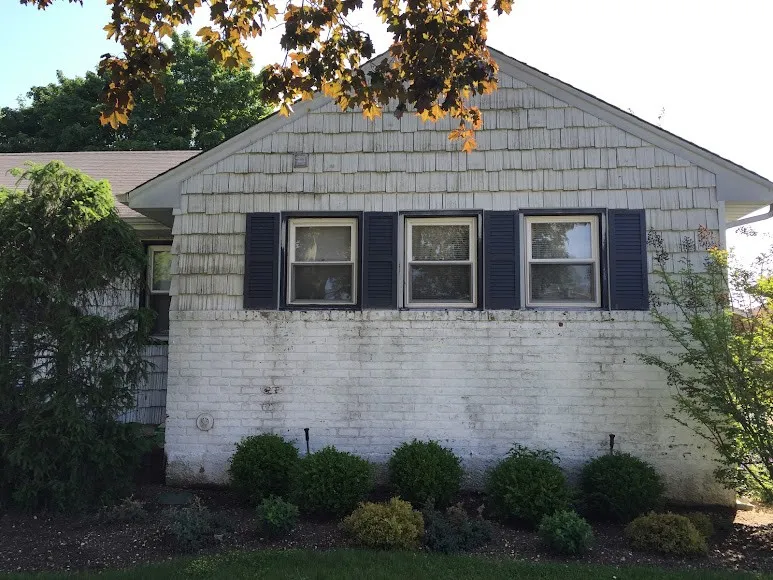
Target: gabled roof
735, 183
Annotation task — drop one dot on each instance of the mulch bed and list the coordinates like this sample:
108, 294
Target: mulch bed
92, 541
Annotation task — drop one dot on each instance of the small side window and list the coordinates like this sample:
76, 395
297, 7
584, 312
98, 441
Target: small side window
322, 261
562, 261
158, 285
440, 262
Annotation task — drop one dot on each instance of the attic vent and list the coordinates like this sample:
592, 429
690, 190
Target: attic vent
300, 160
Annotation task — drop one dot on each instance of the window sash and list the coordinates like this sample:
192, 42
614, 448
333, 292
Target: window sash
594, 260
472, 223
152, 251
293, 225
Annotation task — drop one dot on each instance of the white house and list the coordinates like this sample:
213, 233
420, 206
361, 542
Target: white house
369, 282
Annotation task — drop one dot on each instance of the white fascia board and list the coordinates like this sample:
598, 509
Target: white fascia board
164, 191
734, 183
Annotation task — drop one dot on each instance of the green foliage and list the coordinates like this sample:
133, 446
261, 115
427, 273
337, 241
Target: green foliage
702, 523
204, 104
126, 510
719, 315
666, 534
191, 527
620, 487
528, 485
264, 465
385, 525
566, 533
68, 362
439, 60
454, 530
422, 471
276, 517
332, 482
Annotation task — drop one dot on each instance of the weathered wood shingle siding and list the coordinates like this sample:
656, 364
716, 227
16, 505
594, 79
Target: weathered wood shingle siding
541, 153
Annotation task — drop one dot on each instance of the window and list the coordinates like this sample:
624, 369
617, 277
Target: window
440, 262
562, 265
159, 282
322, 261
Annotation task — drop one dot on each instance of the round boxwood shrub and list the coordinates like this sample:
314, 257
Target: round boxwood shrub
332, 482
263, 465
620, 487
566, 533
528, 485
385, 525
424, 471
669, 534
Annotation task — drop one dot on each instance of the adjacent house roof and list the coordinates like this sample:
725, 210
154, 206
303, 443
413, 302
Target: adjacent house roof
125, 170
736, 185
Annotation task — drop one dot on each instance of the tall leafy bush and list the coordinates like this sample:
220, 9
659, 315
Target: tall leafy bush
68, 362
718, 312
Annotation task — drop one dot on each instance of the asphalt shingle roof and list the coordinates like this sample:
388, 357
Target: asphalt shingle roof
125, 170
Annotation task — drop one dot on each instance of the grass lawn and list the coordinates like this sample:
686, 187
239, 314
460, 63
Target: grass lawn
362, 564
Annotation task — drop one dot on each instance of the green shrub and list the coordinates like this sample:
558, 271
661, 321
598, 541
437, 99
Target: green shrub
74, 368
385, 525
528, 485
332, 482
422, 471
126, 510
276, 517
454, 530
620, 487
191, 527
702, 523
264, 465
566, 533
666, 534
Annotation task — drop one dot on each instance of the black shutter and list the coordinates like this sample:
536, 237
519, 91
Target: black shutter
627, 260
379, 260
261, 261
502, 265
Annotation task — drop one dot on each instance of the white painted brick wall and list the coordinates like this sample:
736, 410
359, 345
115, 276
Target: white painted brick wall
478, 381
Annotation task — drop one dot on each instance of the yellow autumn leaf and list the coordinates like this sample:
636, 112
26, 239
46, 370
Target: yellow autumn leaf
371, 112
469, 145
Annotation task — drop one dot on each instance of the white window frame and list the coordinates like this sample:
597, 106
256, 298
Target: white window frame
472, 222
292, 225
595, 259
151, 264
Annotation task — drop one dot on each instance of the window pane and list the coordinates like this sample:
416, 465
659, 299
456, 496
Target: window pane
561, 240
159, 303
563, 283
322, 283
162, 270
441, 242
441, 283
323, 244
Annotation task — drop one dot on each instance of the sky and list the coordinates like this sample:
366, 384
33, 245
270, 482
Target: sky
705, 63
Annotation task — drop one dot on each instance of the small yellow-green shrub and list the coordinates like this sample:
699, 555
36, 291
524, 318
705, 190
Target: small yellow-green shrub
385, 525
702, 523
670, 534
